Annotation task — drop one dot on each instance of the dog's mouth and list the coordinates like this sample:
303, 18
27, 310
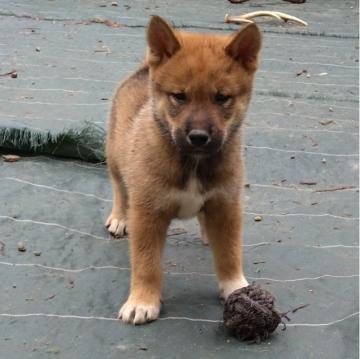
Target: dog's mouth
196, 152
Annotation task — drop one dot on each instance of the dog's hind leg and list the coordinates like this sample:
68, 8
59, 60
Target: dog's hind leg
116, 222
201, 220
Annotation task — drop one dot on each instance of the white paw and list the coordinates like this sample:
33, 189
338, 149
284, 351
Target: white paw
226, 287
136, 313
117, 227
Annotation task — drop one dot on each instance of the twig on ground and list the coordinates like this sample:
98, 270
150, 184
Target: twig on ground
308, 183
99, 20
326, 122
333, 189
176, 231
246, 18
10, 73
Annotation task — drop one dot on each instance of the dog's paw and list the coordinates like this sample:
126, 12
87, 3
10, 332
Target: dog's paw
138, 313
226, 287
205, 240
116, 227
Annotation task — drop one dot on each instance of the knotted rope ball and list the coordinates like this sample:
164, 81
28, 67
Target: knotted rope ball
250, 313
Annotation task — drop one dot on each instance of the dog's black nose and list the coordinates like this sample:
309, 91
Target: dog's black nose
198, 138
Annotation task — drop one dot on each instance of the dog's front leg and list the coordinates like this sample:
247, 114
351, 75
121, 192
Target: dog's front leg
146, 241
222, 222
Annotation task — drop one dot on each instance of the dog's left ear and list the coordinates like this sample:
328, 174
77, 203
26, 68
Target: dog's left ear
162, 41
245, 46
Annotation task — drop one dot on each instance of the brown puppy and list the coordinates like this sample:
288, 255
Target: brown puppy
173, 151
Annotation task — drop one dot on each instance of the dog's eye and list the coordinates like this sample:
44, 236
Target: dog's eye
221, 98
179, 97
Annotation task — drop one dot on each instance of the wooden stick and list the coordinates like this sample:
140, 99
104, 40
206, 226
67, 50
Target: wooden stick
333, 189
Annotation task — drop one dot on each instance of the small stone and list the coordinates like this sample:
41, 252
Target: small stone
331, 109
11, 158
308, 75
71, 283
114, 3
37, 49
258, 218
37, 253
323, 160
292, 157
14, 75
21, 247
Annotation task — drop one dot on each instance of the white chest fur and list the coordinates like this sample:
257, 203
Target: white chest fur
189, 200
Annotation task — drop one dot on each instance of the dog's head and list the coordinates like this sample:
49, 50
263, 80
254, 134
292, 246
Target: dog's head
201, 84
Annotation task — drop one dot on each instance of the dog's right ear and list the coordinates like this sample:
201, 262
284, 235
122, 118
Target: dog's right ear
162, 41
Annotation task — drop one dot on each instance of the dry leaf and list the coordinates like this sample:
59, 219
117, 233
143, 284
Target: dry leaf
11, 158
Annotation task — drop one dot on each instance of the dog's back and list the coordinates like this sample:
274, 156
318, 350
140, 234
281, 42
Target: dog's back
131, 96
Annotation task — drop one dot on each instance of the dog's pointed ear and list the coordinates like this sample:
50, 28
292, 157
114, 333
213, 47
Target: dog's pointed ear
245, 46
162, 41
